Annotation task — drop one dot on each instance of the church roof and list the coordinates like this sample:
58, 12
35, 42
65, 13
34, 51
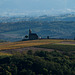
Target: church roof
33, 34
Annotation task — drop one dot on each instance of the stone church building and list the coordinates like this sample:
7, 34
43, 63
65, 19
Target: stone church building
32, 36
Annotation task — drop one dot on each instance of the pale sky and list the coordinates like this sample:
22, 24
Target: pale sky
37, 5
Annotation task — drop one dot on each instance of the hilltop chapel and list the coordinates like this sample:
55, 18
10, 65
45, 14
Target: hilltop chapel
32, 36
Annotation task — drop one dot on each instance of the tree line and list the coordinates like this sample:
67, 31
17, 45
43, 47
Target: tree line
38, 63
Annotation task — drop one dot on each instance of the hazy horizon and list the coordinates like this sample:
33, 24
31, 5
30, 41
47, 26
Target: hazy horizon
36, 7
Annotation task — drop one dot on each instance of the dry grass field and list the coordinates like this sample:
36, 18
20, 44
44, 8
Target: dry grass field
22, 44
7, 47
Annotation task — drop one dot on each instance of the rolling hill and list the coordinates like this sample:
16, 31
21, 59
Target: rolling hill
15, 31
15, 28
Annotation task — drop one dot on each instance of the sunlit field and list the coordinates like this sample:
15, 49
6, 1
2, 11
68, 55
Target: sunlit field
45, 44
22, 44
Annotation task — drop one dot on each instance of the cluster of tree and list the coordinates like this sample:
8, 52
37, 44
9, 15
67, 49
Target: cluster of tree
2, 40
38, 63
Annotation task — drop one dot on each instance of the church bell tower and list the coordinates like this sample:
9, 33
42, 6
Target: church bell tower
29, 31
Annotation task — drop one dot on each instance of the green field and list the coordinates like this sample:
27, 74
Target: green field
60, 47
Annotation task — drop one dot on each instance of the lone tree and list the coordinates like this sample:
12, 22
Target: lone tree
74, 38
26, 36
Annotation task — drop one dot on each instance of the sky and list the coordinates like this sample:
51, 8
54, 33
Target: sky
28, 7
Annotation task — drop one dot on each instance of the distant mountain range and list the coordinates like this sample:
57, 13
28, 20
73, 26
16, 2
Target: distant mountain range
15, 28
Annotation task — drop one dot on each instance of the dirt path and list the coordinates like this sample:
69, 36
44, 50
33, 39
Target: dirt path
26, 49
67, 42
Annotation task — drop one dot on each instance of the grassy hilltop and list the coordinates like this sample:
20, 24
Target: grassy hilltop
60, 45
21, 44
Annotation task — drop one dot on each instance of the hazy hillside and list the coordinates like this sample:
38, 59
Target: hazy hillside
64, 17
56, 29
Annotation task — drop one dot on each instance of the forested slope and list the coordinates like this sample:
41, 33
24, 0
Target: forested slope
57, 29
